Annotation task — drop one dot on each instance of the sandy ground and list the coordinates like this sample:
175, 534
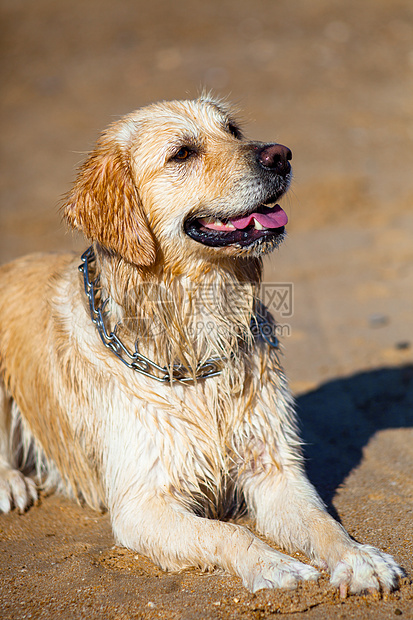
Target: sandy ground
332, 80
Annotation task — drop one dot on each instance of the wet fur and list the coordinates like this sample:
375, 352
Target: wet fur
167, 461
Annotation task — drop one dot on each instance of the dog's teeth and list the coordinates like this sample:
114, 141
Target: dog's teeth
216, 224
224, 225
211, 220
257, 225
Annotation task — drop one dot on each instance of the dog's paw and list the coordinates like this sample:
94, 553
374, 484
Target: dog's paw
365, 568
273, 569
16, 490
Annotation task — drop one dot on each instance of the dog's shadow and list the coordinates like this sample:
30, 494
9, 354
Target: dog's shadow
338, 419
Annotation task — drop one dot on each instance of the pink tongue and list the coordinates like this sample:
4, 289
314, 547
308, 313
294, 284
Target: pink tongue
271, 218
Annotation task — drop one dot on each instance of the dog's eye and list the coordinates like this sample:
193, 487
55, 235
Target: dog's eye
183, 153
234, 131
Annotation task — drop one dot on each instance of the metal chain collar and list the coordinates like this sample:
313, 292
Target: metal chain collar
138, 362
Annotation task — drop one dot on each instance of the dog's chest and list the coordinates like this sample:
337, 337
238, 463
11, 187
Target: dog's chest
187, 445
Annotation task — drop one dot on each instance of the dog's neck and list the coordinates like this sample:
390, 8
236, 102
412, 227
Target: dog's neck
176, 317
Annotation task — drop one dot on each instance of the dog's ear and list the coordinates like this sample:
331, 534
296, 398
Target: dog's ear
105, 205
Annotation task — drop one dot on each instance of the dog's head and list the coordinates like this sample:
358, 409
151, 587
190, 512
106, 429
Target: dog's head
179, 179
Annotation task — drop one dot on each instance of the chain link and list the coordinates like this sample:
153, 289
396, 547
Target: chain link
138, 362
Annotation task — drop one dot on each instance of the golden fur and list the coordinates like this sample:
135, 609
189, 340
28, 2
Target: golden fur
167, 460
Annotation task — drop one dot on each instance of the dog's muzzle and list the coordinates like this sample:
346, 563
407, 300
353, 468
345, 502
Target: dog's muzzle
264, 221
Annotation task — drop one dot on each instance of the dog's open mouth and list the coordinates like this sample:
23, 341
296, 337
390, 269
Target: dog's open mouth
265, 222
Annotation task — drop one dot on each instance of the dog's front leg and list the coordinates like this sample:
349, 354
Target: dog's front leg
289, 511
175, 538
16, 490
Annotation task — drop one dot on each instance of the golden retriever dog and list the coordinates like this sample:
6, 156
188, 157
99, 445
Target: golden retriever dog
148, 380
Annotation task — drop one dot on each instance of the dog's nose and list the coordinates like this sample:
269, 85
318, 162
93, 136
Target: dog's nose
275, 157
